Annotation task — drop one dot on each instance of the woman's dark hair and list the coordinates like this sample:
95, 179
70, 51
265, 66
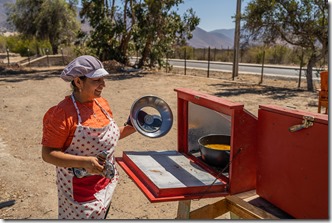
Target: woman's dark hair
75, 88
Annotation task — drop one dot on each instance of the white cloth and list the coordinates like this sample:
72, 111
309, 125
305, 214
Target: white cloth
82, 198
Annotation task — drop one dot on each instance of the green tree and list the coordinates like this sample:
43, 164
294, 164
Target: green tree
148, 26
100, 16
302, 23
160, 28
52, 20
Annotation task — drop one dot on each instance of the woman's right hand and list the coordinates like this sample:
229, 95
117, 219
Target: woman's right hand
92, 165
57, 157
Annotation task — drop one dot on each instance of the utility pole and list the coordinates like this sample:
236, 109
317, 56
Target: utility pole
236, 40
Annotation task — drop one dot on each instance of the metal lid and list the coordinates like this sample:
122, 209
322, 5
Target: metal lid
152, 125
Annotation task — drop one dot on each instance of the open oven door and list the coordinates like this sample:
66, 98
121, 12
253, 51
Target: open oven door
172, 176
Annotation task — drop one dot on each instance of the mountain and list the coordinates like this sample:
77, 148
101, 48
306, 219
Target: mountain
3, 17
230, 33
221, 38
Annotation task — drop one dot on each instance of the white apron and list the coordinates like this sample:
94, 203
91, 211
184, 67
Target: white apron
88, 197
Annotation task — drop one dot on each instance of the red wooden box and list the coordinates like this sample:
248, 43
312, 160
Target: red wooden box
180, 173
293, 165
283, 154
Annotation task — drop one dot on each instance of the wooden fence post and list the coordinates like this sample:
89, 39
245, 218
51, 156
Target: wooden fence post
208, 70
262, 72
185, 61
8, 56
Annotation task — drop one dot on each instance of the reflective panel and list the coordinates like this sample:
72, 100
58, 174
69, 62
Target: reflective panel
203, 121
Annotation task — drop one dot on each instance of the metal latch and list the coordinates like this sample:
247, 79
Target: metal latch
306, 123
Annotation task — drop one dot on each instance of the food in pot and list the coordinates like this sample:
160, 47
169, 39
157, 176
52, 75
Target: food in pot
215, 156
218, 146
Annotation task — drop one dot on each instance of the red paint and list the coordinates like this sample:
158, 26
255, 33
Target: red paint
288, 169
293, 166
242, 175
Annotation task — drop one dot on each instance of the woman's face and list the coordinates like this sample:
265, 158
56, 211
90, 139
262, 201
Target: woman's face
91, 88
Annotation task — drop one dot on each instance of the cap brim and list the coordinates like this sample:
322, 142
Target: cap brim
101, 72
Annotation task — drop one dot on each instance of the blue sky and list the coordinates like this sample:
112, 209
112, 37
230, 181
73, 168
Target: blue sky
213, 14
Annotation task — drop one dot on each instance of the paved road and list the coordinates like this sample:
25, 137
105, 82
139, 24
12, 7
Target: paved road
273, 70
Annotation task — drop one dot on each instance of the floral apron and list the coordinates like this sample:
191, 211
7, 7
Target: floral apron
88, 197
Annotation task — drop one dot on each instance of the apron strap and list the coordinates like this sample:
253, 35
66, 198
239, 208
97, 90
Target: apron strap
77, 110
103, 110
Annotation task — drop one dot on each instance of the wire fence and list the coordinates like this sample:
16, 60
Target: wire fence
210, 59
15, 60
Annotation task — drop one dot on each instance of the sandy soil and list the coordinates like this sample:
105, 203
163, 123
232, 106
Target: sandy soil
25, 96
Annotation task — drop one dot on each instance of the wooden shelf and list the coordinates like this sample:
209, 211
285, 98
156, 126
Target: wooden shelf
247, 205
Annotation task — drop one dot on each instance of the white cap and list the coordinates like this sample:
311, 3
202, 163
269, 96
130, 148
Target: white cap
86, 65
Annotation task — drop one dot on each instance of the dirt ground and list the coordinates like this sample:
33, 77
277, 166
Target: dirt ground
28, 182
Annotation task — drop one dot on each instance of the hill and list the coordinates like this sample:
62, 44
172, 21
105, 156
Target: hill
220, 39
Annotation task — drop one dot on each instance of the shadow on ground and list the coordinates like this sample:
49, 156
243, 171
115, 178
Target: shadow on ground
226, 89
19, 75
276, 93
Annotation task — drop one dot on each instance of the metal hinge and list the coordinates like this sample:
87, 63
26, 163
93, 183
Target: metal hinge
307, 122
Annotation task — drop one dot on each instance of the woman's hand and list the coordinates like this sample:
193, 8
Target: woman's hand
93, 166
57, 157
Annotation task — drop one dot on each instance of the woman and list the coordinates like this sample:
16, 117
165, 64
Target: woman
75, 132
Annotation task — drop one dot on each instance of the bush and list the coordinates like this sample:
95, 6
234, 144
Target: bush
24, 46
